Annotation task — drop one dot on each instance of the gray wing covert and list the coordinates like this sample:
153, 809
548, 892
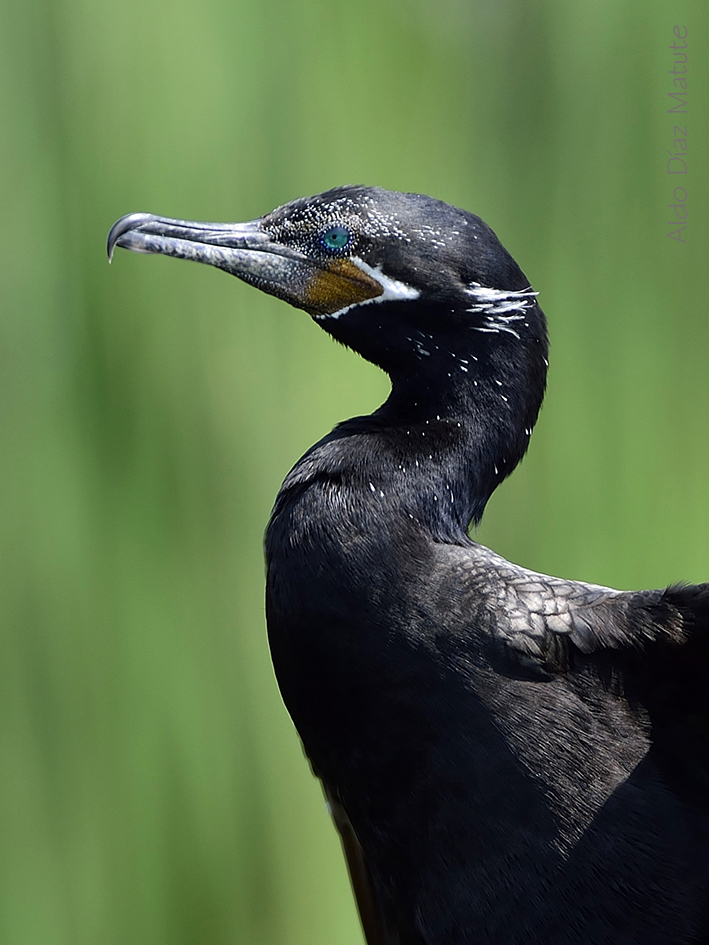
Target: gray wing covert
542, 619
654, 644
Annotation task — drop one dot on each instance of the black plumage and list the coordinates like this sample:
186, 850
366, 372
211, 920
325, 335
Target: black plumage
511, 758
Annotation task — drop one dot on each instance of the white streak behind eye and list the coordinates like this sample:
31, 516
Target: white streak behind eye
500, 307
499, 301
394, 291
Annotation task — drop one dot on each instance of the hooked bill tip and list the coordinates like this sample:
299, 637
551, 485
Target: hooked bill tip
129, 222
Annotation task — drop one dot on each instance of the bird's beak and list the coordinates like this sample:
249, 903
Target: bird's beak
246, 250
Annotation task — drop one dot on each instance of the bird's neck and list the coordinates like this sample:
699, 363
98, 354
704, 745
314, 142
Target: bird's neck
439, 446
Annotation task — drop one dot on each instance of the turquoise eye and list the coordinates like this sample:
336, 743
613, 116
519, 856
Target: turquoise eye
335, 237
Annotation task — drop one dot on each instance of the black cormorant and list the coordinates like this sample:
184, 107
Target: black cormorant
511, 758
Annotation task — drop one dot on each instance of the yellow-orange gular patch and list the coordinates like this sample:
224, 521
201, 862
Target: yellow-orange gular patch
339, 284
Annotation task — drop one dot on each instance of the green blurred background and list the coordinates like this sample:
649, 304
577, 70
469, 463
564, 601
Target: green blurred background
152, 789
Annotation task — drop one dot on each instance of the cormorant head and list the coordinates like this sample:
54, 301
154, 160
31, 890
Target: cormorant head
404, 279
